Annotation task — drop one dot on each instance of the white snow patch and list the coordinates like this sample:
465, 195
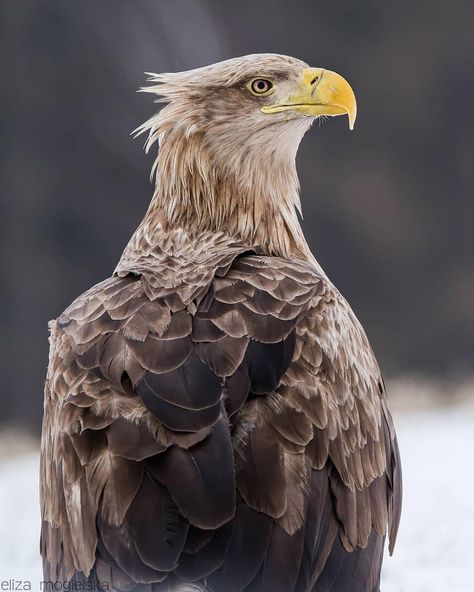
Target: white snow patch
20, 521
434, 548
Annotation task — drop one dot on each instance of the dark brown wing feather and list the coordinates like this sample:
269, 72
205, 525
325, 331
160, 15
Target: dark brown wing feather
233, 433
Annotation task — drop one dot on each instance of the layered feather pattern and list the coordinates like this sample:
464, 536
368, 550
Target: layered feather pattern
228, 431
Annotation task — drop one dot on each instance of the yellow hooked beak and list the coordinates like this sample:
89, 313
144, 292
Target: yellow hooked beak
320, 92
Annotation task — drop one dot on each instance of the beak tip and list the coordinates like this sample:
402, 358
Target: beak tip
352, 120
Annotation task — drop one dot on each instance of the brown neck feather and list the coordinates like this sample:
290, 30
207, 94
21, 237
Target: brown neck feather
249, 195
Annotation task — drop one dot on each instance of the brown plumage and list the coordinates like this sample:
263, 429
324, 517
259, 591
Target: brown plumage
215, 418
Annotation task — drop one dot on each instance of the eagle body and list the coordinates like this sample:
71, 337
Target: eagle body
215, 419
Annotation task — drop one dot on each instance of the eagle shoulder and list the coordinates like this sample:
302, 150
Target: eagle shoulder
167, 418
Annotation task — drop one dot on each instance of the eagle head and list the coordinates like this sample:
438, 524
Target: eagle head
228, 134
258, 100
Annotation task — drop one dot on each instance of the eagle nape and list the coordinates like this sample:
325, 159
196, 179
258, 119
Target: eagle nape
214, 418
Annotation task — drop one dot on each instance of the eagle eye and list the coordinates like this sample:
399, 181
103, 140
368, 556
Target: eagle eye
260, 86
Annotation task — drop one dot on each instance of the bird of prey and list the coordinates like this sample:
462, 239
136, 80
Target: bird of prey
215, 419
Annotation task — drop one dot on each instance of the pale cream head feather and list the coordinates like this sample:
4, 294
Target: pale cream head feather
228, 136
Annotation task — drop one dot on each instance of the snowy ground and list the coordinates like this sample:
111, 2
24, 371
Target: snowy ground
434, 551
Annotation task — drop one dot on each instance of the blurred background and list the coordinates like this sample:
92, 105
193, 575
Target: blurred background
388, 209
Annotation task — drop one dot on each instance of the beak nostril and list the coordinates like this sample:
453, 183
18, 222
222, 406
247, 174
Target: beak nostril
315, 79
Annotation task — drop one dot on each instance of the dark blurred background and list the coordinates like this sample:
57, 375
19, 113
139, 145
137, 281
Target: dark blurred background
388, 208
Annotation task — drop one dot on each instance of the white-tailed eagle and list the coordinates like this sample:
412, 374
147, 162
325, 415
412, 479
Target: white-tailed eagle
215, 419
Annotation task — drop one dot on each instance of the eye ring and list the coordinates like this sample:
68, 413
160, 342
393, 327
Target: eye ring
260, 87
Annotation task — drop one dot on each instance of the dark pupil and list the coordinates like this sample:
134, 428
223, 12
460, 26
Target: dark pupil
261, 85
